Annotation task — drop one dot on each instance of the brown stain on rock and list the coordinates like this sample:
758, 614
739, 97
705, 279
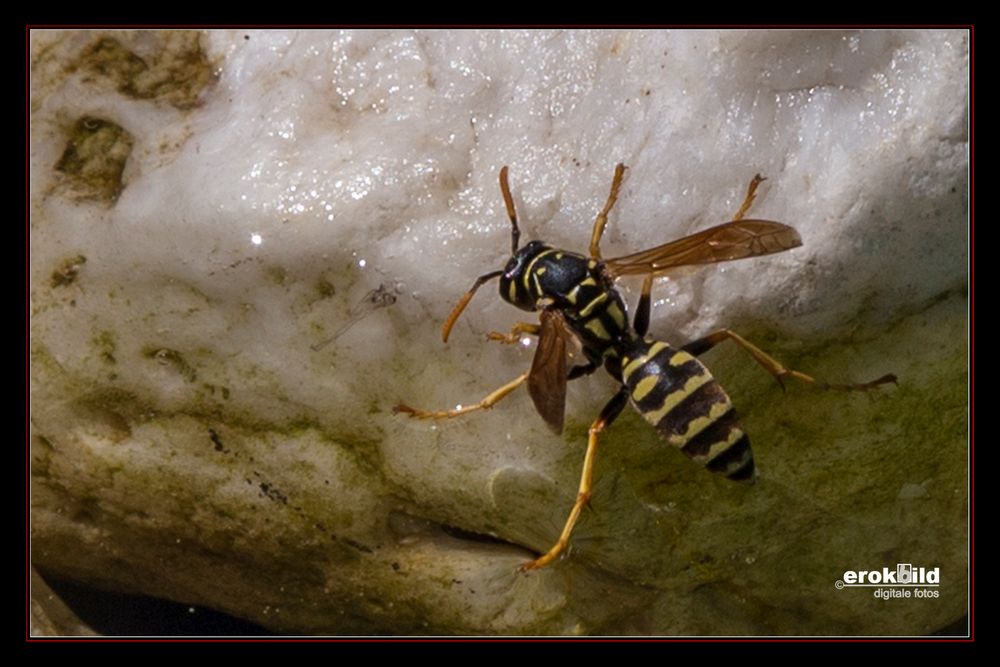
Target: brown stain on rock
172, 66
94, 158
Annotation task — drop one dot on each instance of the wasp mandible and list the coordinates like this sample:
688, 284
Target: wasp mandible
577, 299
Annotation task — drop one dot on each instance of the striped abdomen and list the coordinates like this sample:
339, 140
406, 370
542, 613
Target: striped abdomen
676, 394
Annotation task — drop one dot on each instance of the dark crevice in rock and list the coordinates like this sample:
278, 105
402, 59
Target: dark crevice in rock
112, 613
404, 524
482, 538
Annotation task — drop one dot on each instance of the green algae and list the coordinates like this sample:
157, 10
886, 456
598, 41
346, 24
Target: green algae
174, 69
94, 158
67, 271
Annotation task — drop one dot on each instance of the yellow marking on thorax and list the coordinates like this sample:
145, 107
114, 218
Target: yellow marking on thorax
531, 265
674, 398
597, 328
615, 311
696, 426
574, 294
512, 291
598, 300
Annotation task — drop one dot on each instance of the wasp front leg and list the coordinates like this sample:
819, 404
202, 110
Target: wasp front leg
773, 366
520, 328
515, 333
492, 399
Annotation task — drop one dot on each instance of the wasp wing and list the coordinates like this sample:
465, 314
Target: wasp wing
722, 243
547, 379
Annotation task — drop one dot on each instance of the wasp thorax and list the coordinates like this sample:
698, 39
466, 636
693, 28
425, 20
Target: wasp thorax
514, 287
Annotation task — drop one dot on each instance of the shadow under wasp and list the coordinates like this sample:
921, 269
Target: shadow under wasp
579, 304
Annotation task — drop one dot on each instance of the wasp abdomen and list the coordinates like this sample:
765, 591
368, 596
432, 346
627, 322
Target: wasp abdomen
676, 394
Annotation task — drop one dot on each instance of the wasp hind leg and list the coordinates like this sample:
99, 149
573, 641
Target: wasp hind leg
602, 217
641, 321
773, 366
608, 414
492, 399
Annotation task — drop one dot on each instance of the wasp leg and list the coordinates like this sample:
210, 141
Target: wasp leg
602, 217
611, 411
641, 321
525, 328
751, 195
772, 365
485, 404
580, 370
515, 333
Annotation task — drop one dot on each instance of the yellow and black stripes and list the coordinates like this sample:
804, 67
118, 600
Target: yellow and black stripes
676, 394
592, 308
669, 387
574, 284
600, 321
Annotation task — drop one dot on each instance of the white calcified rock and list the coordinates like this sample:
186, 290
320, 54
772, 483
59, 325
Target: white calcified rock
206, 210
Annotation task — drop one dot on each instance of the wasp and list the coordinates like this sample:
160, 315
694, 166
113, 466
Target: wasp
580, 306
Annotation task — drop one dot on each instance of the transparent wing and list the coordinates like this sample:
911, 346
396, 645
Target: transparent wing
722, 243
547, 379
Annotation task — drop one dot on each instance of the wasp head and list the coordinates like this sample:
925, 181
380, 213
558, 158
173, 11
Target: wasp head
513, 286
513, 280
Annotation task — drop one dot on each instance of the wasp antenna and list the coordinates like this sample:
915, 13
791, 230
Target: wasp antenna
464, 301
515, 233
